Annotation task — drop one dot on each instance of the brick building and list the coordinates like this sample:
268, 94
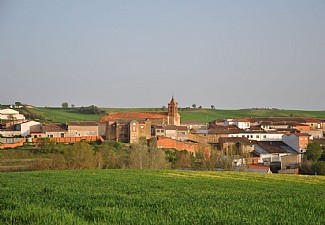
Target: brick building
130, 126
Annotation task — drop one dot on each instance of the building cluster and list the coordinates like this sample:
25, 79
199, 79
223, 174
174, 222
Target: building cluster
276, 143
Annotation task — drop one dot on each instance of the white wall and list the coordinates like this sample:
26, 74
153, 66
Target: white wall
243, 125
259, 136
25, 127
171, 134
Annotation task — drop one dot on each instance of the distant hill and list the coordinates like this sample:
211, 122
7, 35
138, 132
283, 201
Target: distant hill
60, 115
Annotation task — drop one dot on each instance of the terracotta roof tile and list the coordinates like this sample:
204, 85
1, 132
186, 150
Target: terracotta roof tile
83, 123
55, 128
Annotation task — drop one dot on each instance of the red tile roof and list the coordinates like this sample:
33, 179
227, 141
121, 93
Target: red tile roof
83, 123
243, 120
55, 128
133, 115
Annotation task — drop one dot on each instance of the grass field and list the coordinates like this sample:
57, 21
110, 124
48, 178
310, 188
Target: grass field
59, 115
160, 197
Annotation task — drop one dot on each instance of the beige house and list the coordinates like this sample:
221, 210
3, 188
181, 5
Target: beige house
139, 129
194, 125
82, 129
179, 133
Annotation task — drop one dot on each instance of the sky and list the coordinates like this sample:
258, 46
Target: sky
232, 54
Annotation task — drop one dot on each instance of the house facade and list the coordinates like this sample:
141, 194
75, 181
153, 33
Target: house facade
82, 129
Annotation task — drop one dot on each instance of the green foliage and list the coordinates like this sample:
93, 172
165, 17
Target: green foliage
89, 110
312, 168
144, 157
160, 197
65, 105
80, 156
314, 151
18, 104
113, 155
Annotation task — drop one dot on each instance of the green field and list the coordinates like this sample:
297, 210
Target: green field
206, 115
60, 115
160, 197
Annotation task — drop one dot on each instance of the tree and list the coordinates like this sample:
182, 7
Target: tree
72, 105
157, 159
212, 107
18, 104
80, 156
183, 160
89, 109
65, 105
138, 156
314, 151
110, 157
163, 108
194, 106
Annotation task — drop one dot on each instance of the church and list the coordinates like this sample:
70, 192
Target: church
130, 126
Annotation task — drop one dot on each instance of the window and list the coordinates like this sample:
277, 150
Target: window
264, 136
51, 135
251, 136
257, 136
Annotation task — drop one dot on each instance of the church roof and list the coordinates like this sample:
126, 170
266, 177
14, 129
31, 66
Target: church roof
134, 115
172, 101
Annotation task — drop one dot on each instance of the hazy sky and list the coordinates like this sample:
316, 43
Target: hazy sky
137, 53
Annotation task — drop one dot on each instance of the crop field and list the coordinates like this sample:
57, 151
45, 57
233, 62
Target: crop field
207, 115
60, 115
160, 197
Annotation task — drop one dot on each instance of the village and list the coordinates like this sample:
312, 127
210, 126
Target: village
265, 145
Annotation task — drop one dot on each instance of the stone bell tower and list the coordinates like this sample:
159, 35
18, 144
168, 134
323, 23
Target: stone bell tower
173, 116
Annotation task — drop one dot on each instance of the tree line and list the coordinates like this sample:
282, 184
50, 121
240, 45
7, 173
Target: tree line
116, 155
146, 155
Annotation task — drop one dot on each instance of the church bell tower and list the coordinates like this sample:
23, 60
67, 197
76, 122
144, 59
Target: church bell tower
173, 116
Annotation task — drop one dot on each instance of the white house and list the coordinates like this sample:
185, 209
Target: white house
10, 114
259, 136
26, 128
243, 123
